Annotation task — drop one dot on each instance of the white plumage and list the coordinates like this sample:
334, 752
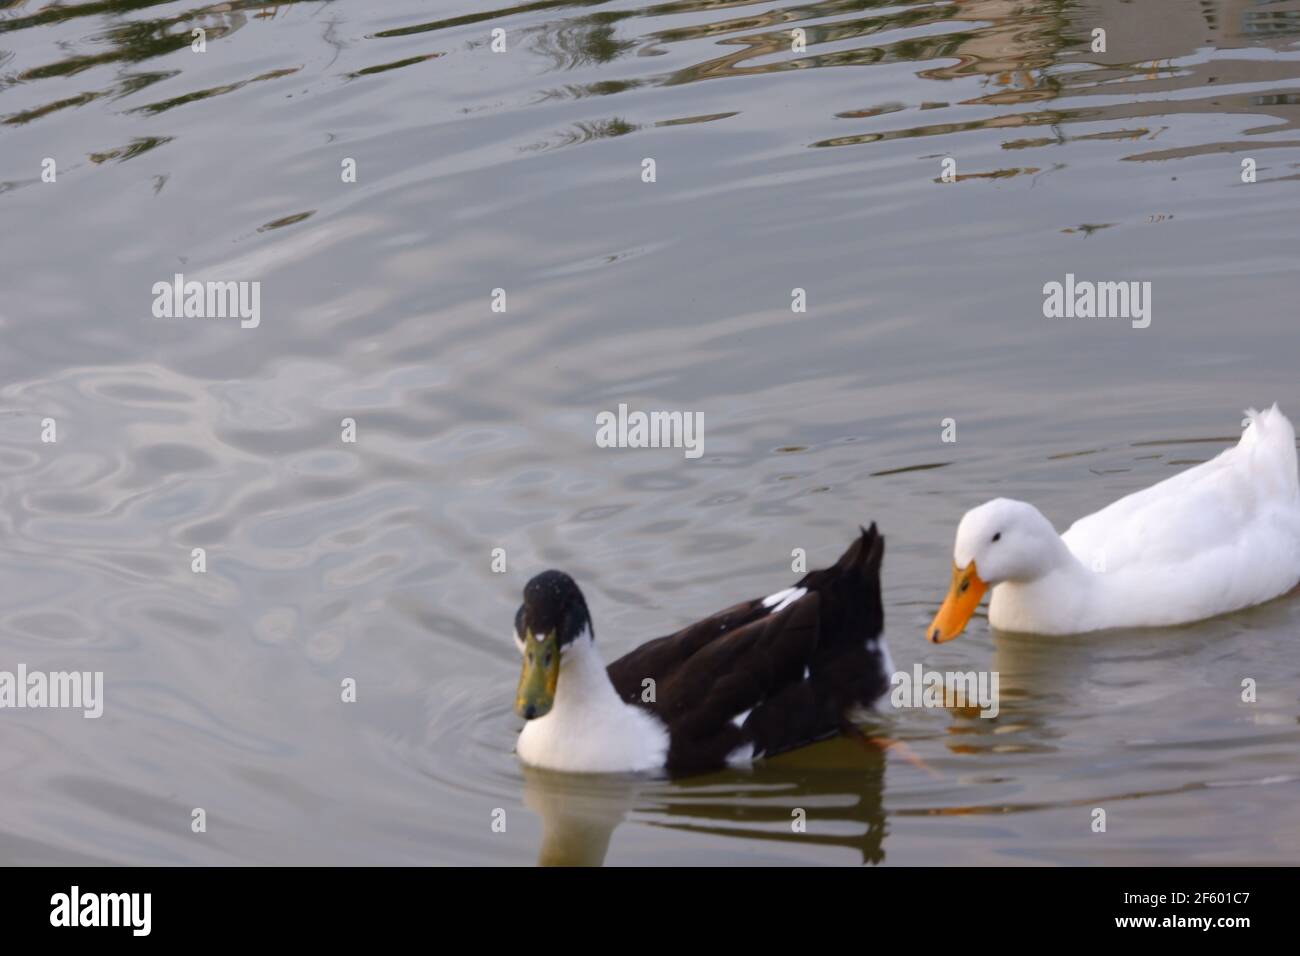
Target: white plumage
1218, 537
589, 729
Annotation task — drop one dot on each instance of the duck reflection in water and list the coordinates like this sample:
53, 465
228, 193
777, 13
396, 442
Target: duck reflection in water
826, 795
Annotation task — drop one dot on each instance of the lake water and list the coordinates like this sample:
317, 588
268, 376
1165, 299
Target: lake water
522, 170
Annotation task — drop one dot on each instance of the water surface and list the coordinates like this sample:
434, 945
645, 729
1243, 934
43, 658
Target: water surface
522, 171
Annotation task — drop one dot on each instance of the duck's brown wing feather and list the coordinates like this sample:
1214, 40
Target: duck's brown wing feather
770, 681
708, 698
660, 658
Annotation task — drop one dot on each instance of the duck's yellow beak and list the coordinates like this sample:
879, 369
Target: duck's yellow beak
536, 693
962, 600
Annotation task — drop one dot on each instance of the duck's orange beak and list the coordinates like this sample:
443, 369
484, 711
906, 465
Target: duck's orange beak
962, 600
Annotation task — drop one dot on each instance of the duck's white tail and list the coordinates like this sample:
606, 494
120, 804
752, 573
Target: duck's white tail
1269, 443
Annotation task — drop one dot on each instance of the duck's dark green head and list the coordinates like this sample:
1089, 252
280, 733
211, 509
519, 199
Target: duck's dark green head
553, 616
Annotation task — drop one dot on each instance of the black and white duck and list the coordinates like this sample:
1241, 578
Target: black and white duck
762, 677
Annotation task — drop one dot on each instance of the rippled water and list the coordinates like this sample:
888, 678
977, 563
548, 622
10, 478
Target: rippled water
522, 171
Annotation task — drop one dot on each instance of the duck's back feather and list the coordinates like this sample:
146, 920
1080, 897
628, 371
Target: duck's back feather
1220, 536
1198, 511
770, 674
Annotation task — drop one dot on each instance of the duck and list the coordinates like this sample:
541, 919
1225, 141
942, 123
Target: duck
762, 677
1216, 538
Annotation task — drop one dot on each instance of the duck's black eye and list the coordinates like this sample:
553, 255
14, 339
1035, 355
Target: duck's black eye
998, 536
546, 661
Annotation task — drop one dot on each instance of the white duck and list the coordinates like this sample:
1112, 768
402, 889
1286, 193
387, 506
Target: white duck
1218, 537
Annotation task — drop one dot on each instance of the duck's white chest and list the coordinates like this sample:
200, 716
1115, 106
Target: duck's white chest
589, 729
1051, 605
581, 740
